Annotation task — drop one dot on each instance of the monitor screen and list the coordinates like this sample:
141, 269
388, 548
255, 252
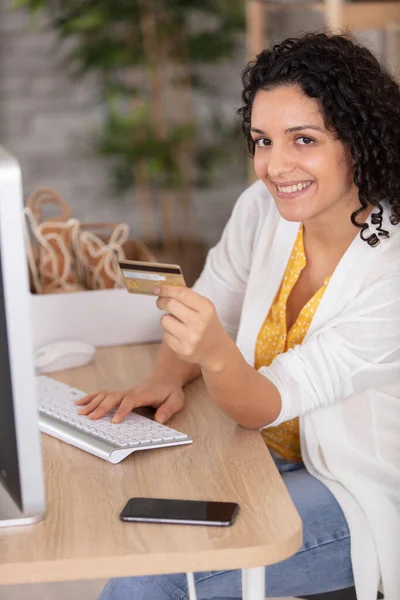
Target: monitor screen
22, 498
9, 466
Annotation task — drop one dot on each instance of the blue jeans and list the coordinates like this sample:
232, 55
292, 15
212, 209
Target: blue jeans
321, 565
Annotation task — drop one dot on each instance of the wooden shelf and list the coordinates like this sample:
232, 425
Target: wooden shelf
370, 15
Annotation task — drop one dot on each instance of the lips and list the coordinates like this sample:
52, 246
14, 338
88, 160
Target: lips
293, 190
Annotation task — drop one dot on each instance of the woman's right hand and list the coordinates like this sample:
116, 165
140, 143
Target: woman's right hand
164, 395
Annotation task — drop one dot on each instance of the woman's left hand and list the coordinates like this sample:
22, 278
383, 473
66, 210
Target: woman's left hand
192, 328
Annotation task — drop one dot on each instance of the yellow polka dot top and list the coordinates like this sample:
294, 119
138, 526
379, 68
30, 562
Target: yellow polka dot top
273, 339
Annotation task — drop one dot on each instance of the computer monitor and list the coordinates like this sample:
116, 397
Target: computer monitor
22, 498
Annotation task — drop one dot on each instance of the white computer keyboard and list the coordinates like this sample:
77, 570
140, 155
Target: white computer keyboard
58, 416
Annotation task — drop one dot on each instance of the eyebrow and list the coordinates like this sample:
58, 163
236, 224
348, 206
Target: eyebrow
291, 129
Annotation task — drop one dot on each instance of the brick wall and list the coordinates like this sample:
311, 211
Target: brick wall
45, 118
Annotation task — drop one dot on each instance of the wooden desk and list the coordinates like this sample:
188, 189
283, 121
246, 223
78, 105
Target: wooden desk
82, 536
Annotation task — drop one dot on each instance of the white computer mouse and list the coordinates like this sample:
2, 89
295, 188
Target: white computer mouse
63, 354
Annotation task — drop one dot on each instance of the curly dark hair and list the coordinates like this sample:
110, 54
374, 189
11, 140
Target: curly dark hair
359, 100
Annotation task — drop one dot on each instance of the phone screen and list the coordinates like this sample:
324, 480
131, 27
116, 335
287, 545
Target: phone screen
189, 512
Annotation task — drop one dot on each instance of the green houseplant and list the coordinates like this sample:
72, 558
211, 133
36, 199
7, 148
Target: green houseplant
149, 55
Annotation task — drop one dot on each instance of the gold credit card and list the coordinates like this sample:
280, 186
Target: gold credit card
142, 277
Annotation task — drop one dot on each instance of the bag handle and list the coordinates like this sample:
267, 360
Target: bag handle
44, 196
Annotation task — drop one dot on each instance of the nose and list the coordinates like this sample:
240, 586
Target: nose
280, 162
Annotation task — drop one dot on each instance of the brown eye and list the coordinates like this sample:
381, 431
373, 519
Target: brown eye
262, 142
306, 141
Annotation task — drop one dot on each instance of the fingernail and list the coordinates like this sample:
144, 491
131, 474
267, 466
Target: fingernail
157, 289
115, 419
161, 419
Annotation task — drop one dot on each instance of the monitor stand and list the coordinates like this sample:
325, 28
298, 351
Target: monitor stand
10, 514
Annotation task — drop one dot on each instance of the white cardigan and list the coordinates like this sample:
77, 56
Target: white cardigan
343, 381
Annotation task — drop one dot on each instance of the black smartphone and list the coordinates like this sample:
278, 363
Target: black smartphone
183, 512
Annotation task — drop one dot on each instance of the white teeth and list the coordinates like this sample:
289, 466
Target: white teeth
289, 189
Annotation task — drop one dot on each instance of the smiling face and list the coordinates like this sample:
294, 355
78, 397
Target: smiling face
306, 168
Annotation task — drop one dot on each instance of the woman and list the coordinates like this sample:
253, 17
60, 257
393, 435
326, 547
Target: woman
306, 279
